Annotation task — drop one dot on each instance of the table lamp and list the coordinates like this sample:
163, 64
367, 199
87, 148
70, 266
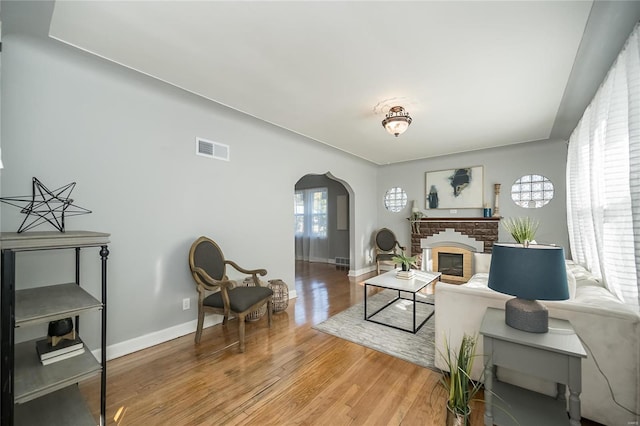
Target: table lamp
529, 273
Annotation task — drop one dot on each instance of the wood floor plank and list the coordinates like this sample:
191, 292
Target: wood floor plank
290, 374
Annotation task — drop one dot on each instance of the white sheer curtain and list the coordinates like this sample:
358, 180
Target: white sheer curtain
311, 225
603, 179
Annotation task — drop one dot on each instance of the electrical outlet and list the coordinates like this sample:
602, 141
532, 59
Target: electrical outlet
186, 304
453, 211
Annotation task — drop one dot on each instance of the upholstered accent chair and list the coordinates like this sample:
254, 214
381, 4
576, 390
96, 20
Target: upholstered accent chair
386, 247
218, 294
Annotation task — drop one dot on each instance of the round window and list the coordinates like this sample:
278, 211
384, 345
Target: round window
532, 191
395, 199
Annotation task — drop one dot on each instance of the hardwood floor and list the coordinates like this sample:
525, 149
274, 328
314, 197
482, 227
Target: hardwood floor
289, 374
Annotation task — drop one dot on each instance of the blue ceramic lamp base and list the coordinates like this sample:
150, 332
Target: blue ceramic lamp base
527, 315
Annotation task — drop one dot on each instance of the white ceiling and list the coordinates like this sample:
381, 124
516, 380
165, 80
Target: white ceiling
471, 74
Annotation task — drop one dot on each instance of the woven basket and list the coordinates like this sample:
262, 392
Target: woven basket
280, 298
258, 313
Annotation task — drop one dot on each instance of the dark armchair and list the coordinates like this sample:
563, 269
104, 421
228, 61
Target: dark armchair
208, 268
386, 247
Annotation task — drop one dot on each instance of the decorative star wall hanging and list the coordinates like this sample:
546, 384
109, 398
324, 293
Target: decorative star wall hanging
45, 205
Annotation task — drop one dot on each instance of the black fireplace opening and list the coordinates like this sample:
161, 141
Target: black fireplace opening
450, 264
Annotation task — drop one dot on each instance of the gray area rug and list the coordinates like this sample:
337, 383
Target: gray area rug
416, 348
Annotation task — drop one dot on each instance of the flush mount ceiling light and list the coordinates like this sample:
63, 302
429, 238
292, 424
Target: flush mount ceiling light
396, 121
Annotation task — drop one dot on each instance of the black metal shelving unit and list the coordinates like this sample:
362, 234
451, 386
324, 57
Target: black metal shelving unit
33, 393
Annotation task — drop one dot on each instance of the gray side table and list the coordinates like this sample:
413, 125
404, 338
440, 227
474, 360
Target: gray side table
554, 356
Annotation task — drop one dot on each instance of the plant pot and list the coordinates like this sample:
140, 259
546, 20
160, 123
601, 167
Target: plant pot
405, 267
456, 419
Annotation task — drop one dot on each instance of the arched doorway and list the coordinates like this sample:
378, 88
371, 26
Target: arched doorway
322, 220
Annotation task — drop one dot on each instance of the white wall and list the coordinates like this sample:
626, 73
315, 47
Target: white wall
128, 142
501, 165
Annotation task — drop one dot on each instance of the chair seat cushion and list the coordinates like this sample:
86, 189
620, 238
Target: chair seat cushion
385, 256
240, 298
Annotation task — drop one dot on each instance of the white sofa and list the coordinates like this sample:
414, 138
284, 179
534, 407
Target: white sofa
609, 330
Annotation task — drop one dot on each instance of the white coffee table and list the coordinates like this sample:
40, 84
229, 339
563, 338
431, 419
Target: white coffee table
388, 280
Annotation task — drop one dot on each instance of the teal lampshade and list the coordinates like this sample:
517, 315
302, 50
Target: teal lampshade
536, 272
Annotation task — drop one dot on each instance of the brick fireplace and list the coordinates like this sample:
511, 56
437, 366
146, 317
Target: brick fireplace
484, 229
447, 245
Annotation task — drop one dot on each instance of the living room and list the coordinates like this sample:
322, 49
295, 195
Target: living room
127, 139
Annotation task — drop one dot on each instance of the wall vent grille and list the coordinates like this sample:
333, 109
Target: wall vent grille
211, 149
344, 261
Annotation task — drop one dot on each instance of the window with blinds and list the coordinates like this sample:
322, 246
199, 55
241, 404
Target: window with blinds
310, 210
603, 178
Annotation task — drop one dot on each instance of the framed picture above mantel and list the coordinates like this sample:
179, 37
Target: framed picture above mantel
460, 188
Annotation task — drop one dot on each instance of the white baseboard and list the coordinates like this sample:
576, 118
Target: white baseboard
362, 271
316, 259
146, 341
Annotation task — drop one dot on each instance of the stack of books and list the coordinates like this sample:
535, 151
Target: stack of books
405, 275
65, 349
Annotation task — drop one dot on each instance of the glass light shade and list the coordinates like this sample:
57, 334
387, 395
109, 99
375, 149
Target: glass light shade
397, 126
397, 121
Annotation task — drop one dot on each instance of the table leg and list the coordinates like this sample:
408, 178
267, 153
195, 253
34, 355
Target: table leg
414, 313
575, 387
574, 407
365, 301
488, 382
562, 392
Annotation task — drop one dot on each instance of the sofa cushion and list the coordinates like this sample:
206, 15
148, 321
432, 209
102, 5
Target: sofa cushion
582, 275
571, 282
481, 262
479, 280
601, 298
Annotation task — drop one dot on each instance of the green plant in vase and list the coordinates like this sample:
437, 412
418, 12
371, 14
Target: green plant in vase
461, 390
522, 229
406, 262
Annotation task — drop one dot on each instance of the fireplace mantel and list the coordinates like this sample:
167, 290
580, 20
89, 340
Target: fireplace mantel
483, 229
456, 219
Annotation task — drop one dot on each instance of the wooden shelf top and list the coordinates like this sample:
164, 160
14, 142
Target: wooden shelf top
52, 239
47, 303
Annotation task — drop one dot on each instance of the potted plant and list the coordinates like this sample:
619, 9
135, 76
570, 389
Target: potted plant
522, 229
461, 390
405, 261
